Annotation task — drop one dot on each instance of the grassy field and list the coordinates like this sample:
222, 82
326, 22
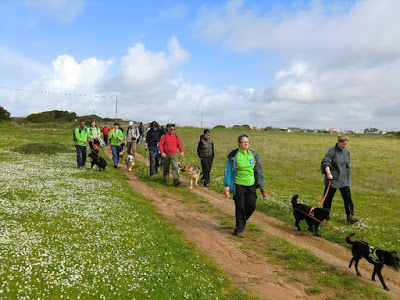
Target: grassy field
87, 235
291, 164
76, 233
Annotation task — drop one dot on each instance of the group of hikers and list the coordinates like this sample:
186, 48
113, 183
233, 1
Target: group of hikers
243, 171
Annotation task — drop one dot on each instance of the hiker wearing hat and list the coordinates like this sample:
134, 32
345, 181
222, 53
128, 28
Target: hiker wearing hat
131, 137
116, 137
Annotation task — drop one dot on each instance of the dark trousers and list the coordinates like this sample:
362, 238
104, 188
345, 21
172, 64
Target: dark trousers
154, 162
206, 165
245, 204
346, 195
105, 139
80, 155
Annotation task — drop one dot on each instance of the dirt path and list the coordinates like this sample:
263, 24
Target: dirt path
247, 270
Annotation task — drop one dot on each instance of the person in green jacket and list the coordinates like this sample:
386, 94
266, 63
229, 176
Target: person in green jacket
94, 135
116, 137
81, 136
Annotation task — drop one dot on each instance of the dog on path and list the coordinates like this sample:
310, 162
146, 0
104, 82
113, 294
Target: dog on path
373, 255
193, 171
130, 162
97, 160
303, 212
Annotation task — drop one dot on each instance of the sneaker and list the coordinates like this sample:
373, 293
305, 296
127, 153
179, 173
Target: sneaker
352, 219
240, 235
115, 166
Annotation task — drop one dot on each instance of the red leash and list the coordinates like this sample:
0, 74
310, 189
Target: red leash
323, 199
311, 216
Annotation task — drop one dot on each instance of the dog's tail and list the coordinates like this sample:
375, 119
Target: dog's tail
348, 239
294, 200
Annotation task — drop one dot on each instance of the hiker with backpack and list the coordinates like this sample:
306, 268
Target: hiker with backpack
94, 136
81, 136
131, 137
141, 132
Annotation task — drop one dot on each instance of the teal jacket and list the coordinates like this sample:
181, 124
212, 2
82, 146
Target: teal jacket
230, 171
81, 135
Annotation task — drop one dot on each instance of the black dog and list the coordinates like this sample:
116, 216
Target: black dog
98, 161
375, 256
302, 212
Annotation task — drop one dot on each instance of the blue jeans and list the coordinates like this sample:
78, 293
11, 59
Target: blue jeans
115, 153
80, 155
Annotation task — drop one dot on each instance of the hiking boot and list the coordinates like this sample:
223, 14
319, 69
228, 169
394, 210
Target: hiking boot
352, 219
176, 182
240, 235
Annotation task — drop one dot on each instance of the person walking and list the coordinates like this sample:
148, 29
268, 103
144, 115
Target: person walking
152, 142
81, 136
105, 130
205, 151
243, 175
131, 138
116, 138
169, 145
336, 167
141, 132
94, 135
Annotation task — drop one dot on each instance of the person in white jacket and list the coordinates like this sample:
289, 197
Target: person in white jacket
131, 137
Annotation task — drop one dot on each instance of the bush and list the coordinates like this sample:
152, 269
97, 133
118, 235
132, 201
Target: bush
219, 126
4, 114
42, 148
52, 116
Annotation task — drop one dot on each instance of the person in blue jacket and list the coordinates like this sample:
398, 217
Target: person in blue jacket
243, 175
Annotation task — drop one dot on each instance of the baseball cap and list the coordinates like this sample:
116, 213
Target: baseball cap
130, 122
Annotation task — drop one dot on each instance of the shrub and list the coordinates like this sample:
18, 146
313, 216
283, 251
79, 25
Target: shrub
4, 114
52, 116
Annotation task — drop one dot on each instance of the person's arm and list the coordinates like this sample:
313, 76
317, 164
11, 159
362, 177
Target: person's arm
161, 146
180, 147
326, 164
198, 149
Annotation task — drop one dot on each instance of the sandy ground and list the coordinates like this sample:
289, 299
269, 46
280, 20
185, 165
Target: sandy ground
248, 270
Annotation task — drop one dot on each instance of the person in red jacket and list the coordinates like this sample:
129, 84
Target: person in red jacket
169, 145
105, 130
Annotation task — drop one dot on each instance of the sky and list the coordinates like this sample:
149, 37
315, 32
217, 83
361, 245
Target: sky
292, 63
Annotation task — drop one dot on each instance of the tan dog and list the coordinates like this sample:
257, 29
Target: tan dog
130, 162
193, 171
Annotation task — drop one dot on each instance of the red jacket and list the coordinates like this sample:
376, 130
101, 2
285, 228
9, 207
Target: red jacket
170, 143
105, 130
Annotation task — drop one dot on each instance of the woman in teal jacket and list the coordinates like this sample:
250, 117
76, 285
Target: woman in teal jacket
243, 175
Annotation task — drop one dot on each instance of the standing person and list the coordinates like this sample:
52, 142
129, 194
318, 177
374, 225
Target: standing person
205, 151
152, 142
141, 132
81, 135
94, 135
116, 138
169, 144
243, 175
336, 168
105, 130
131, 137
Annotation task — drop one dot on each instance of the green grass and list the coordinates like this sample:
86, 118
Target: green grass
79, 233
291, 164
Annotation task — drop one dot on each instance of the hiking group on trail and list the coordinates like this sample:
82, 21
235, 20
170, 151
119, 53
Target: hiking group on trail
243, 172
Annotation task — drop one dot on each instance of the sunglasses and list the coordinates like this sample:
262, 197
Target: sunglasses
171, 128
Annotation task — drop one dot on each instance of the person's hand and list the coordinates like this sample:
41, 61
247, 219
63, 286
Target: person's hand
163, 155
226, 191
182, 154
329, 176
145, 146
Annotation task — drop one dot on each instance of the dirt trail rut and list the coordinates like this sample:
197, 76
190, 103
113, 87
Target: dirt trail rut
247, 270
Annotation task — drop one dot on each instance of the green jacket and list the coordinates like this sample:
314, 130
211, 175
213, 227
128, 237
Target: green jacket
94, 132
81, 135
116, 137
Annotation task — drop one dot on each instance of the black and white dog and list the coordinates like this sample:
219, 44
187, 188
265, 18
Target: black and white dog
303, 212
375, 256
98, 161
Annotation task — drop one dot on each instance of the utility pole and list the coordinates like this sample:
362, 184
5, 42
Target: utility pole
116, 108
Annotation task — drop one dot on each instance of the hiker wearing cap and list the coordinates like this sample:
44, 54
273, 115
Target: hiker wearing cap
81, 136
243, 175
169, 144
336, 167
116, 138
131, 137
